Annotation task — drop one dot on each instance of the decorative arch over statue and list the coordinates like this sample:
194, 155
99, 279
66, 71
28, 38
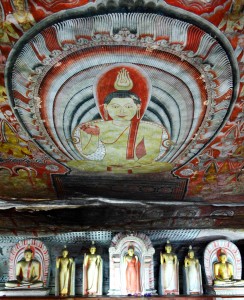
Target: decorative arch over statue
217, 283
40, 253
28, 270
143, 250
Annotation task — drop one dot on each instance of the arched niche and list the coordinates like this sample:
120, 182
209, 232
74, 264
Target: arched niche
144, 250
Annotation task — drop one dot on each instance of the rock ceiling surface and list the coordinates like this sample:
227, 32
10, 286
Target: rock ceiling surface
121, 114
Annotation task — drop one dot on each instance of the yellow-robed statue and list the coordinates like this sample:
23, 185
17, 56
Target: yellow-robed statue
224, 272
28, 272
92, 273
65, 274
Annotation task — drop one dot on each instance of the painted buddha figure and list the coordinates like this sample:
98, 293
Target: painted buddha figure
122, 142
224, 272
28, 272
132, 271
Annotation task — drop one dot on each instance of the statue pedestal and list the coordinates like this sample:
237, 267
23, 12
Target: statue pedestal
225, 291
24, 292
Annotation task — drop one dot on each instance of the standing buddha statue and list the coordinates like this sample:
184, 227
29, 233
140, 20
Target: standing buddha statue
92, 273
65, 274
169, 281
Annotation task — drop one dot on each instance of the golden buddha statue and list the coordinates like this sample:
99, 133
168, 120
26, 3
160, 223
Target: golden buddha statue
65, 274
92, 273
132, 272
224, 272
28, 272
169, 271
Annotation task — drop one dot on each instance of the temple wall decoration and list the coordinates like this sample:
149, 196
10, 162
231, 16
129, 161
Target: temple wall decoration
152, 243
190, 53
123, 116
163, 51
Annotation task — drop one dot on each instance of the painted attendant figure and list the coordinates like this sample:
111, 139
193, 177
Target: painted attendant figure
22, 18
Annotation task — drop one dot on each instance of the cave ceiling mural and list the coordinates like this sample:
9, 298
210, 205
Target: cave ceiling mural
126, 100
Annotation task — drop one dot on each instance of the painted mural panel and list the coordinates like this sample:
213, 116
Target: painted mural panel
125, 92
121, 141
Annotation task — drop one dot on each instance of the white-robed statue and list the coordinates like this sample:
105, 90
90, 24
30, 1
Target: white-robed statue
65, 274
92, 273
169, 272
192, 274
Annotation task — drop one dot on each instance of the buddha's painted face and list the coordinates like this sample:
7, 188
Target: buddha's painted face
122, 108
19, 4
28, 255
131, 251
93, 250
